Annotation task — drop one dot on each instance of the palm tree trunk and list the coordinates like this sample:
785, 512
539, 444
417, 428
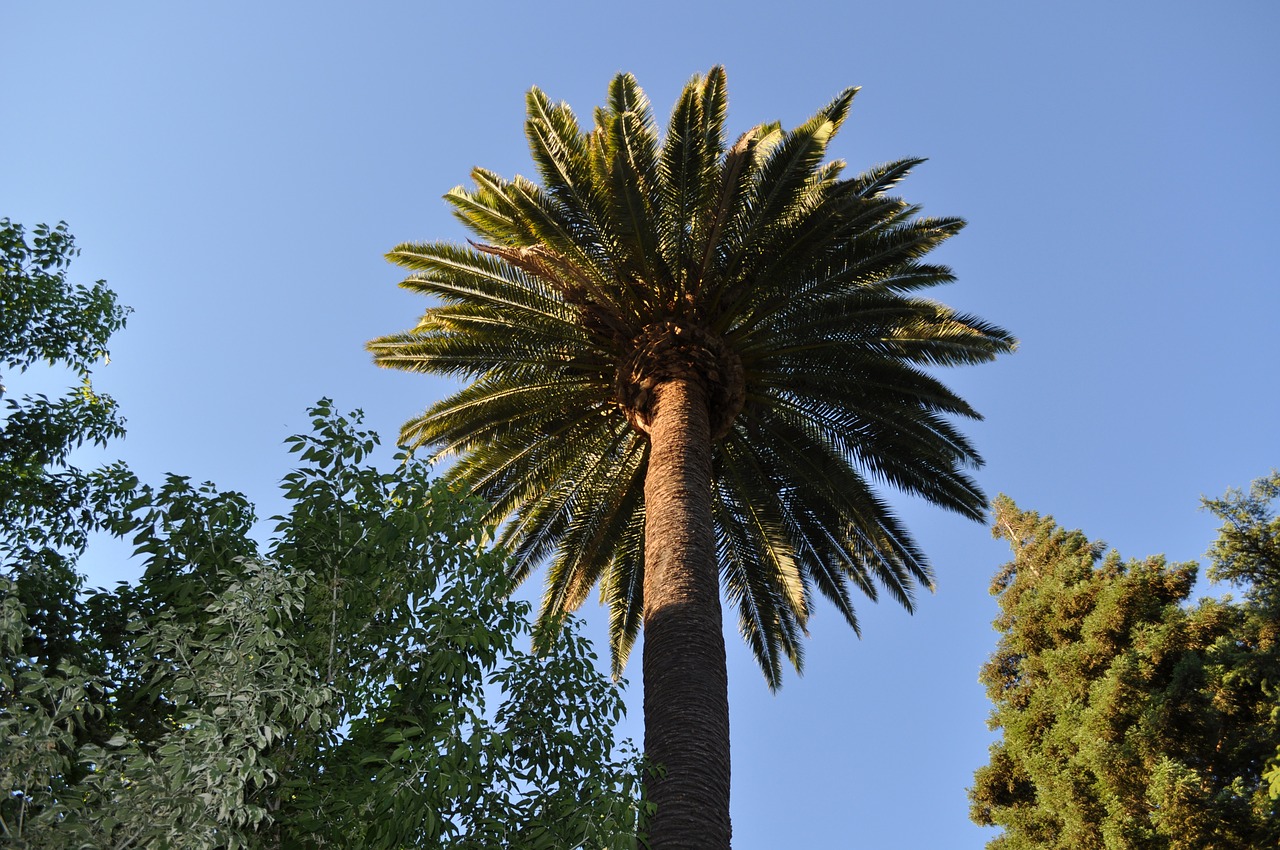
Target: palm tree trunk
686, 699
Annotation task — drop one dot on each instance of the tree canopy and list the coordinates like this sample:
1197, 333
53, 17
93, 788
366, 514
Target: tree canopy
48, 506
1129, 718
359, 680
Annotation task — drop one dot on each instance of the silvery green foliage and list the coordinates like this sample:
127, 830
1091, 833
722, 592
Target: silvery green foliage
238, 685
41, 716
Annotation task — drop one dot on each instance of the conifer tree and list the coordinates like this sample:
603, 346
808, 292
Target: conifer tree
1128, 719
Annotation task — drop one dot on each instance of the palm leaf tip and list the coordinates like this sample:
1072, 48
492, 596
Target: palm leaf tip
837, 110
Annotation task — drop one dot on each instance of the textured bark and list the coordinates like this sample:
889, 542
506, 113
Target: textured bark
686, 700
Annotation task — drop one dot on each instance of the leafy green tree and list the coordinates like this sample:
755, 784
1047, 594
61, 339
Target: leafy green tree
690, 359
332, 690
48, 507
1128, 719
336, 687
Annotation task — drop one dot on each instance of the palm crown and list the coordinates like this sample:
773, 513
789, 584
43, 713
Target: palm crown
786, 290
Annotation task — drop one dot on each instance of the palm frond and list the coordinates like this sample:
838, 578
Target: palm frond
622, 589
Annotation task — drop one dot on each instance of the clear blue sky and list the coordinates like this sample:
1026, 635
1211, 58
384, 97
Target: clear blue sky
236, 170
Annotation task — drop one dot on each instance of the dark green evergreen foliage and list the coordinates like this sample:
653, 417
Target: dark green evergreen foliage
1247, 551
358, 681
1128, 719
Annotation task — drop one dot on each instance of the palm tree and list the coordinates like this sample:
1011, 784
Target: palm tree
689, 364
